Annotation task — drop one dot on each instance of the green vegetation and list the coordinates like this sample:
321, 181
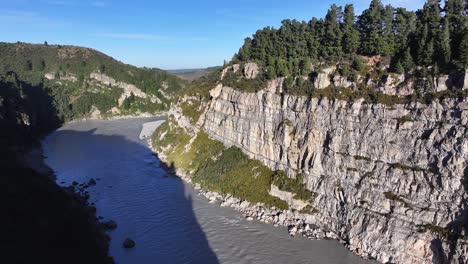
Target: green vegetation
381, 41
68, 71
403, 119
247, 85
445, 232
41, 215
295, 186
406, 168
394, 197
224, 170
408, 38
191, 109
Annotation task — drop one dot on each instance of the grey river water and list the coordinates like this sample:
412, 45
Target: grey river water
168, 220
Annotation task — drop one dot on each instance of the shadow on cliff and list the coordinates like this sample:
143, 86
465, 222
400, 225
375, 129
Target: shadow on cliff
149, 204
455, 230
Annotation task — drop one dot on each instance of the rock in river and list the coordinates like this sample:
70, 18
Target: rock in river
128, 243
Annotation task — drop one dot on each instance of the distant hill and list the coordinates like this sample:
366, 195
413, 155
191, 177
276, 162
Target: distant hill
193, 74
86, 82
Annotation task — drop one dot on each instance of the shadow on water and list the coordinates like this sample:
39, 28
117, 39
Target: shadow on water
149, 204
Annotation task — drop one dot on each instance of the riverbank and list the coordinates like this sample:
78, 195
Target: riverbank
297, 224
74, 200
119, 117
34, 159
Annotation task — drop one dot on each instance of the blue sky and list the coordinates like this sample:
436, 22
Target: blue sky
169, 34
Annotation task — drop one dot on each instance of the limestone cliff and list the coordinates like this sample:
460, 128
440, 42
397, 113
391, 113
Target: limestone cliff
391, 181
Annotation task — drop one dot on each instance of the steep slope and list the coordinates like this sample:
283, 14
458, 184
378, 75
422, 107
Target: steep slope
389, 181
369, 147
42, 222
86, 82
41, 87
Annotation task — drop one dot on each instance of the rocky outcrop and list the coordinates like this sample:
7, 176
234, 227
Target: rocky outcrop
392, 85
234, 69
251, 70
128, 88
70, 77
442, 83
322, 80
390, 182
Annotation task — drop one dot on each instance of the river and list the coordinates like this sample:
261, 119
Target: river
169, 222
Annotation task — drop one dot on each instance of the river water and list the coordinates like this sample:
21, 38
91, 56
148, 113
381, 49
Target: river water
169, 222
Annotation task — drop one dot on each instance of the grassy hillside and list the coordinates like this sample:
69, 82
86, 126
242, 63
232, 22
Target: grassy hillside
65, 72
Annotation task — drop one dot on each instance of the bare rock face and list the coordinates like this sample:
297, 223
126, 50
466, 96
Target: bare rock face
251, 70
322, 80
274, 86
391, 182
49, 76
391, 83
442, 83
340, 81
95, 113
234, 69
66, 77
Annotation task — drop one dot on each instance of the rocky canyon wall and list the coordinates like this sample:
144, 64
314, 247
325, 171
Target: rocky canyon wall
391, 181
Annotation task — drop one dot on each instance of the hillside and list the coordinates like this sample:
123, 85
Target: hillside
41, 87
193, 74
416, 53
350, 127
85, 82
43, 221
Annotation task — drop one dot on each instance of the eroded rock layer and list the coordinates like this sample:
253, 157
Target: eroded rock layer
391, 181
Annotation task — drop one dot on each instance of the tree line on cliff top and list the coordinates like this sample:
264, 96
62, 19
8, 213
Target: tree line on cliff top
434, 37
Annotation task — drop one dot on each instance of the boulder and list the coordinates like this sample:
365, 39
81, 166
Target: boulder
50, 76
390, 84
234, 68
251, 70
110, 225
91, 182
128, 243
340, 81
442, 83
322, 80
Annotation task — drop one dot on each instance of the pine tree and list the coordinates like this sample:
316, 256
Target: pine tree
331, 43
271, 73
370, 26
407, 60
463, 52
305, 66
443, 44
404, 26
350, 33
429, 26
245, 50
456, 14
388, 44
399, 68
281, 68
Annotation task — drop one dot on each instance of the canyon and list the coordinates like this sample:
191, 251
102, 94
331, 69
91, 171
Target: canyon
388, 181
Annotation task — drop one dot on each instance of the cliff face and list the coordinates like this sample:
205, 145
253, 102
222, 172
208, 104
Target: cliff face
390, 181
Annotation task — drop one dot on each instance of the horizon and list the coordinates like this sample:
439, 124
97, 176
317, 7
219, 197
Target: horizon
153, 35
